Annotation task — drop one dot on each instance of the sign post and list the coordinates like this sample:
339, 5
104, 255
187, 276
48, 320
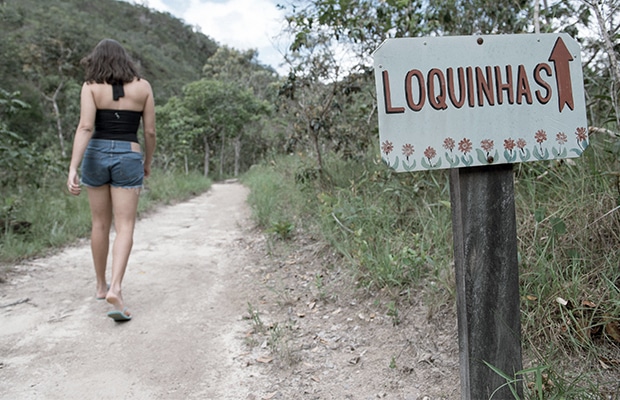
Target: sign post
477, 105
487, 279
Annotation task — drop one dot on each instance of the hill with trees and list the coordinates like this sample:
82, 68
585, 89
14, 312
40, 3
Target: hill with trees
43, 43
40, 75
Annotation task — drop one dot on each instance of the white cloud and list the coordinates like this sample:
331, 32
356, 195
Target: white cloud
241, 24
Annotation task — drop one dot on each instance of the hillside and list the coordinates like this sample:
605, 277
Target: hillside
44, 41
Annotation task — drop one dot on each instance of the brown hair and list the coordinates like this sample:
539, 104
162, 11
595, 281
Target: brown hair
109, 63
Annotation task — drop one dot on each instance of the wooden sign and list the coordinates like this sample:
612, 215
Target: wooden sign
462, 101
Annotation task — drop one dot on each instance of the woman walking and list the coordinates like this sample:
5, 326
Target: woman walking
113, 102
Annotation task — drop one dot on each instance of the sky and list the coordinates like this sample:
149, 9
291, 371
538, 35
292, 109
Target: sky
240, 24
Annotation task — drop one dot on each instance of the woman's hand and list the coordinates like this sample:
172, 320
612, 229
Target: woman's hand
73, 183
147, 170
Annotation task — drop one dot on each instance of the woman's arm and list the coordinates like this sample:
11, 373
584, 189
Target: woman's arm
83, 133
148, 121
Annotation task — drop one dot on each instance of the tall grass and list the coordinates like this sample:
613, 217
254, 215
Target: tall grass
378, 220
279, 206
56, 218
394, 231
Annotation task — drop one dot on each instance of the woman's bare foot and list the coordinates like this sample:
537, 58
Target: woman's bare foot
117, 301
102, 291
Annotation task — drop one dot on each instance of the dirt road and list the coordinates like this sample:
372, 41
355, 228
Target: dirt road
183, 287
196, 270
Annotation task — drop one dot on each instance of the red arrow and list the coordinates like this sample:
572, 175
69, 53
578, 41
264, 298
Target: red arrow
561, 58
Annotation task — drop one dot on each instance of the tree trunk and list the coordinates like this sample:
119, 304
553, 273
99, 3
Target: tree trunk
207, 151
222, 157
608, 45
237, 154
54, 101
536, 16
317, 148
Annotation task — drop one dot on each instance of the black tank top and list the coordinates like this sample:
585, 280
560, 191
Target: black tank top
117, 124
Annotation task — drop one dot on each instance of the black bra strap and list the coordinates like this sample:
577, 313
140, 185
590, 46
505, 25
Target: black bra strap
117, 91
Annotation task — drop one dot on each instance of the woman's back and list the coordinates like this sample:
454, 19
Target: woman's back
135, 98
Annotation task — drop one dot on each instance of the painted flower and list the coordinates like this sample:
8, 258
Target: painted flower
487, 145
540, 136
561, 138
581, 134
387, 147
448, 144
465, 146
408, 150
509, 144
430, 153
521, 143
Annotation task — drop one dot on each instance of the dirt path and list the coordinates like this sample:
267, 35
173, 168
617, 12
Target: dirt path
195, 271
182, 286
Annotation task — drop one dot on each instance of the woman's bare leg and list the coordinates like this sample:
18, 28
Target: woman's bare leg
124, 206
101, 212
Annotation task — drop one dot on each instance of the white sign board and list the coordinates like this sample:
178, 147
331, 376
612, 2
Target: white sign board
461, 101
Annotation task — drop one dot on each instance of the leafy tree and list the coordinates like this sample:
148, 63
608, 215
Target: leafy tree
228, 64
328, 62
210, 112
15, 155
361, 26
469, 17
51, 59
243, 68
322, 79
178, 130
607, 66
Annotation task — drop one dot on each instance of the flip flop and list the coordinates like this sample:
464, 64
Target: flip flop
103, 298
119, 316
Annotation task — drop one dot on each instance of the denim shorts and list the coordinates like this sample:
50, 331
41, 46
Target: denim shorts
112, 162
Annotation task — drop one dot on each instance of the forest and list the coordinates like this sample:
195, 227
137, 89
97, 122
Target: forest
307, 145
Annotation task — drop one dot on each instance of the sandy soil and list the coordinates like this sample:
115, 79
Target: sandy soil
220, 312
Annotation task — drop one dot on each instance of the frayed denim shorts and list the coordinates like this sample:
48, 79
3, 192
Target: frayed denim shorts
112, 162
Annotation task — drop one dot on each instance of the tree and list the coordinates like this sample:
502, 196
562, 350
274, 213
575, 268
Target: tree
608, 20
178, 130
51, 60
243, 68
15, 155
228, 64
212, 112
328, 62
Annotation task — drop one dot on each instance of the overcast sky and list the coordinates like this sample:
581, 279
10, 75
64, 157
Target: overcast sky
240, 24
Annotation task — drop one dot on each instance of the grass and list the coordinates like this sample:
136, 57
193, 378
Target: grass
394, 232
374, 217
57, 218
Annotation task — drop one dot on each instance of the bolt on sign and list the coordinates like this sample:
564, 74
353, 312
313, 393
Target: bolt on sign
462, 101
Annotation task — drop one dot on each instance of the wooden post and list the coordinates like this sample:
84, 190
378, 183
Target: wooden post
487, 279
